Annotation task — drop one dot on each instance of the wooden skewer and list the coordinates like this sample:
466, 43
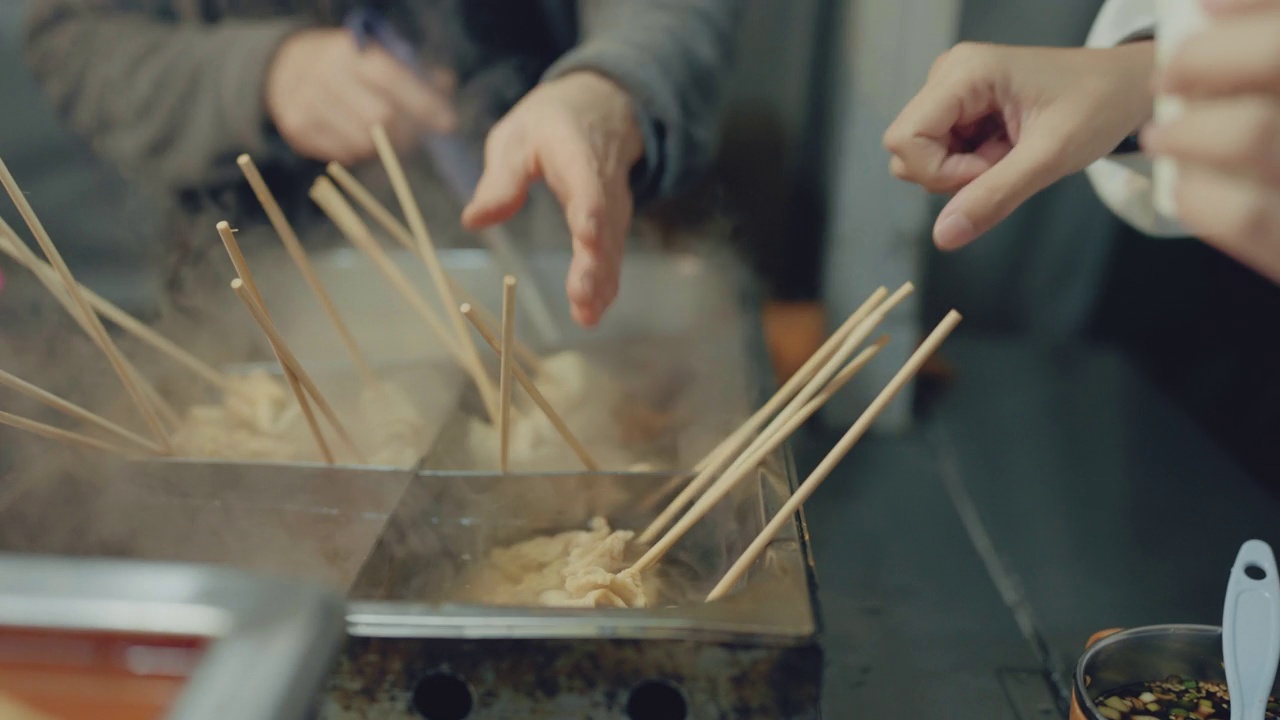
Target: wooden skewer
97, 331
49, 279
372, 205
742, 469
13, 247
426, 248
733, 444
162, 407
487, 333
299, 255
837, 454
793, 418
53, 433
396, 229
331, 202
47, 398
247, 290
290, 362
246, 297
504, 372
238, 261
818, 378
522, 353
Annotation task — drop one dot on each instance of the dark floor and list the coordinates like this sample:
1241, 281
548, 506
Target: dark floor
1046, 495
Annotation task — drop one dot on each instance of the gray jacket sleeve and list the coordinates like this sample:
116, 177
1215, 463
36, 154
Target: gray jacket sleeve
673, 57
170, 103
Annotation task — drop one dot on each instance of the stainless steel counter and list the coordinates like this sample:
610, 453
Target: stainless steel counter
1046, 495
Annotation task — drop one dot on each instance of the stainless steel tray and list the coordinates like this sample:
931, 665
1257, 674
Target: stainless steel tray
398, 543
307, 521
682, 324
755, 654
271, 643
397, 540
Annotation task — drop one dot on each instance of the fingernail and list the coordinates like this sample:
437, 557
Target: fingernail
954, 231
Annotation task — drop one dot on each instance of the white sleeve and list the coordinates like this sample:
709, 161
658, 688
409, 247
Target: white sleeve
1123, 183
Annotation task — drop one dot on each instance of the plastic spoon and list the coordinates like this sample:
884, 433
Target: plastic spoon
1251, 630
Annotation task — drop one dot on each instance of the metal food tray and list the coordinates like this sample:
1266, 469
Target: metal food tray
307, 521
754, 654
399, 542
677, 336
270, 643
680, 330
394, 539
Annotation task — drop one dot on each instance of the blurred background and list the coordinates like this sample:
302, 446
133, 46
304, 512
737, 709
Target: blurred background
801, 177
1147, 366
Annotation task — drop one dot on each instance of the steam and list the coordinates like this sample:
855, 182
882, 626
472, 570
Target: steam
692, 368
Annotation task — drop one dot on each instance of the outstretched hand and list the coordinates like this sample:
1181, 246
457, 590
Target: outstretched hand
578, 133
996, 124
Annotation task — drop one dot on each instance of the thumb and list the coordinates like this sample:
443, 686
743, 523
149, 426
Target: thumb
499, 195
994, 195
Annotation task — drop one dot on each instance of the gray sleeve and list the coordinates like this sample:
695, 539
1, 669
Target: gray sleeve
673, 57
170, 103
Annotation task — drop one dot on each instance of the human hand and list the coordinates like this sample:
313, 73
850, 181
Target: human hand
996, 124
1227, 140
579, 133
324, 93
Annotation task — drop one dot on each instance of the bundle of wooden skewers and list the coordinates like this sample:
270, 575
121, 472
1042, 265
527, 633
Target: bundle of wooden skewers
740, 455
398, 425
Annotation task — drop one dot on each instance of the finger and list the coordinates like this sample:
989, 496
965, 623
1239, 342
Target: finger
960, 91
979, 206
406, 91
1237, 54
594, 279
342, 128
359, 105
501, 192
445, 81
1239, 135
921, 134
580, 288
1228, 7
574, 174
1239, 216
403, 133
